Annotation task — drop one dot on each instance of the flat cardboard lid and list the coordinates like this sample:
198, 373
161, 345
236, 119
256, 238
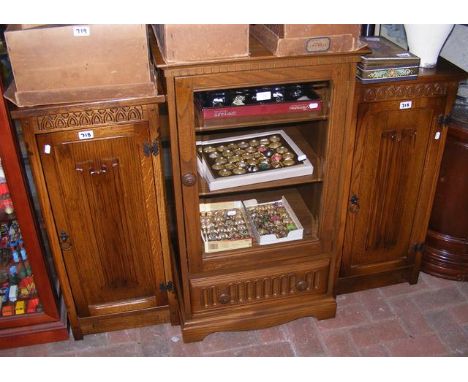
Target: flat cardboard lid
77, 95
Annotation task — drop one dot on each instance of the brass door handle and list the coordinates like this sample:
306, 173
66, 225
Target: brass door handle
102, 170
64, 240
354, 205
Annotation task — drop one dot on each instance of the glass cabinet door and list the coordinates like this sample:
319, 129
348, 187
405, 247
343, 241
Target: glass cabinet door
255, 173
29, 307
18, 292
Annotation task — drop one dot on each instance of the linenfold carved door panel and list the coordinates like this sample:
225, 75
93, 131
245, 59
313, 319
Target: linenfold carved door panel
100, 187
388, 163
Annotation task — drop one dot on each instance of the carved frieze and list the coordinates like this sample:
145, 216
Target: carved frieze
390, 92
90, 117
244, 292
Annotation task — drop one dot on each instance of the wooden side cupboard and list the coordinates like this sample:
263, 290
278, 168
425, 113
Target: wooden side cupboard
401, 129
98, 171
260, 285
446, 251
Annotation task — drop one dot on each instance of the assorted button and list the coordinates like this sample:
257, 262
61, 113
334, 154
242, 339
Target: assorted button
227, 224
272, 218
248, 156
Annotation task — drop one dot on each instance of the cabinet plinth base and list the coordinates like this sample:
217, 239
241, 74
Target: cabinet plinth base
376, 280
197, 328
127, 320
41, 333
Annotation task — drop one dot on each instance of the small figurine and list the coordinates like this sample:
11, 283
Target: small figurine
24, 256
32, 305
15, 255
13, 293
19, 307
27, 287
7, 310
239, 100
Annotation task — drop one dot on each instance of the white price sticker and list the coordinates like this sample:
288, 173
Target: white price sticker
81, 31
406, 105
88, 134
46, 149
313, 105
263, 96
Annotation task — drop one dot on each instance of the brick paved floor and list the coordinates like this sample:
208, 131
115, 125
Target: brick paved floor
426, 319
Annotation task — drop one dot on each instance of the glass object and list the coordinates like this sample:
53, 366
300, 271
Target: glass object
460, 108
426, 41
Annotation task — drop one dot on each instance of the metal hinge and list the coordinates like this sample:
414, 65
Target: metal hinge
167, 287
418, 247
444, 120
151, 148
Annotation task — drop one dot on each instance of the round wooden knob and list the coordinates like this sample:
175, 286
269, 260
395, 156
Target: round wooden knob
188, 179
301, 285
224, 298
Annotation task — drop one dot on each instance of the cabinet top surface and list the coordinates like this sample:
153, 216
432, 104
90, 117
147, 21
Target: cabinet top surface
258, 55
23, 112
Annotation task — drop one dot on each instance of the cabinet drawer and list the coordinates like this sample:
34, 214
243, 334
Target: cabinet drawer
256, 286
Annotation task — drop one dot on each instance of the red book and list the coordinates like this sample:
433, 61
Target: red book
262, 109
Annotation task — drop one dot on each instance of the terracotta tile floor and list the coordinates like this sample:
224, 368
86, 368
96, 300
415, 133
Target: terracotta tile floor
426, 319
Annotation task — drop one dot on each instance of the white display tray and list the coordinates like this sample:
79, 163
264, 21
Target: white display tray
301, 169
296, 234
225, 245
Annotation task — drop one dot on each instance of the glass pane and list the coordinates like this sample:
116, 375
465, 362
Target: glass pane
18, 294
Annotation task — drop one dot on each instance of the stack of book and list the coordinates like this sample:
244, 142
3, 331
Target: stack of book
387, 62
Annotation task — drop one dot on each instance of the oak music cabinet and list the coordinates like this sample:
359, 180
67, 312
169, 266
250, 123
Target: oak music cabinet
401, 129
98, 172
263, 285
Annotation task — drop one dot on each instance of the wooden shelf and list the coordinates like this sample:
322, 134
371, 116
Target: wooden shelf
296, 136
261, 120
297, 203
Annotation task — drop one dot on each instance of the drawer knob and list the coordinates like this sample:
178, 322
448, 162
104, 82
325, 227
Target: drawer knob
301, 285
188, 179
224, 298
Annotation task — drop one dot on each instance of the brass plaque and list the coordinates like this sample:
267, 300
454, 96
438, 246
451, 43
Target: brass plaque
318, 44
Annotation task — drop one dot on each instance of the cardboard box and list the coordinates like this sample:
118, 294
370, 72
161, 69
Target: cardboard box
75, 63
181, 43
226, 245
302, 39
295, 234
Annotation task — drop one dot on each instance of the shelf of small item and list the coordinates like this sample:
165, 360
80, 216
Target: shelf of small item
297, 204
313, 105
297, 137
18, 293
